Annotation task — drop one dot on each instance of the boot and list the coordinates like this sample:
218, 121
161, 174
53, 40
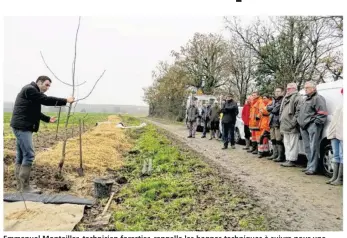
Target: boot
255, 152
261, 155
335, 172
288, 164
24, 176
252, 148
225, 146
247, 144
16, 175
339, 180
280, 157
275, 151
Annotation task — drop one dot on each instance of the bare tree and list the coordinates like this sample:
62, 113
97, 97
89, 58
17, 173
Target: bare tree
241, 67
289, 48
203, 61
73, 85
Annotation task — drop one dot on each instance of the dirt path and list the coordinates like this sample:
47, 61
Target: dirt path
294, 201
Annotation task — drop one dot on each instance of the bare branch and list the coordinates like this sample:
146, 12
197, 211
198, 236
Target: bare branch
74, 61
51, 70
92, 88
44, 61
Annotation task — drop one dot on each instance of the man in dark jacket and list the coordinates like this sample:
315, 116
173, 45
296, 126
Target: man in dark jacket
230, 110
312, 117
26, 120
192, 116
274, 109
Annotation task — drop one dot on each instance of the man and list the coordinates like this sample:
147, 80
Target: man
312, 117
214, 115
245, 118
254, 122
192, 116
26, 120
205, 117
230, 111
264, 127
289, 127
274, 109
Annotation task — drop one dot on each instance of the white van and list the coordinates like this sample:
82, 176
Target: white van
332, 93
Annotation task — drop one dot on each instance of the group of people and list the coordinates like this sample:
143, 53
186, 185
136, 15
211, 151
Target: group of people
282, 120
220, 119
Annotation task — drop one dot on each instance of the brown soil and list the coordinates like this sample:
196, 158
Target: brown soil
294, 201
43, 177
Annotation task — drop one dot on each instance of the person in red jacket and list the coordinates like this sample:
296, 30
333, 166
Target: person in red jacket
245, 118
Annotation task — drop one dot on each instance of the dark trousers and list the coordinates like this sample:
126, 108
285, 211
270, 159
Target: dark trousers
228, 133
311, 137
206, 126
247, 132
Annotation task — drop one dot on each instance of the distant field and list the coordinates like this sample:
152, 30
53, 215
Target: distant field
89, 120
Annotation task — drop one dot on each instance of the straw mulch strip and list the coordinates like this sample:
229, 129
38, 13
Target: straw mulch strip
103, 148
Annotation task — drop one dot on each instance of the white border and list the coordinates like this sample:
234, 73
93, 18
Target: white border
172, 8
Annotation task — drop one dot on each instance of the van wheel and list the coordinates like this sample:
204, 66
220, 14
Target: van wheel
237, 136
326, 156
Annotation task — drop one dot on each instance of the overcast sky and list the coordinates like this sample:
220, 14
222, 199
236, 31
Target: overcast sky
128, 48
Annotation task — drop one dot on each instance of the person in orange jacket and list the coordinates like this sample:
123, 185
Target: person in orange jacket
264, 126
254, 122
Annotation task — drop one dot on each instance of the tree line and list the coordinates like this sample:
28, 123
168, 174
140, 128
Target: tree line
262, 55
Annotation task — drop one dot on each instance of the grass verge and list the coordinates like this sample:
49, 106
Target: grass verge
181, 193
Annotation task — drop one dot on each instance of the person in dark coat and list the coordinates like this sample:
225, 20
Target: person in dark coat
230, 110
313, 114
275, 133
26, 120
